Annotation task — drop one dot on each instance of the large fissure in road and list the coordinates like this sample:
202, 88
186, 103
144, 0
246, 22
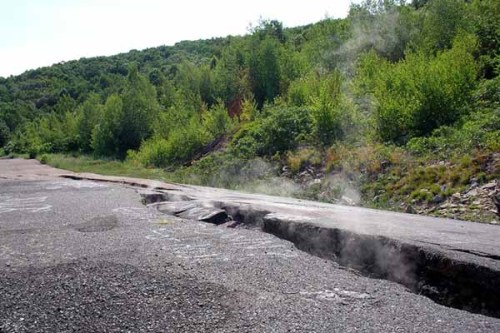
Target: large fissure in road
423, 270
449, 282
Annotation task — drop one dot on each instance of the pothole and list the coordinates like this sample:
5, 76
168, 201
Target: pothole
98, 224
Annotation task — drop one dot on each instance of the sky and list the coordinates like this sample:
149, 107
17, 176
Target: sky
36, 33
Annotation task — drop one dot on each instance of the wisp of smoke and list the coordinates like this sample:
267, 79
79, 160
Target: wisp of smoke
383, 32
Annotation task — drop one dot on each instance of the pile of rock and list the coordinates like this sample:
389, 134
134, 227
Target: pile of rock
478, 203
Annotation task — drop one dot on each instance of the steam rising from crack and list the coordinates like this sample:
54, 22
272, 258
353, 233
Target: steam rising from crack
379, 29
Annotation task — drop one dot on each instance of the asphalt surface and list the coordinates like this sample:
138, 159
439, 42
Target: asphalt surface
83, 256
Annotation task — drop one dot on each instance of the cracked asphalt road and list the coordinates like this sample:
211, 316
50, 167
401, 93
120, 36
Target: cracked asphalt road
81, 256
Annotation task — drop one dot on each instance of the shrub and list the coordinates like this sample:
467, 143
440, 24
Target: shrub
4, 133
421, 93
181, 145
249, 111
480, 130
303, 157
44, 159
106, 135
327, 111
278, 130
217, 121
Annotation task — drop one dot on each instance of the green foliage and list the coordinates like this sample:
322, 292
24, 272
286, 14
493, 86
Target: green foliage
182, 144
15, 114
487, 94
44, 159
301, 90
52, 133
249, 111
216, 120
321, 44
106, 134
70, 129
4, 133
422, 183
187, 82
419, 94
293, 65
264, 69
298, 93
327, 112
384, 26
391, 87
480, 130
279, 129
88, 116
221, 169
64, 104
167, 95
442, 21
140, 110
206, 88
230, 74
269, 29
298, 160
88, 163
485, 18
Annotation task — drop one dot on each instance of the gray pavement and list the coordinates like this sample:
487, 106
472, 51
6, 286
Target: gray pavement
86, 256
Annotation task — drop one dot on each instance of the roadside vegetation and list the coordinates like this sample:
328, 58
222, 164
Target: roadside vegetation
396, 106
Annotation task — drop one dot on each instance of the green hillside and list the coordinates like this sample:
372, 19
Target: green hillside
396, 106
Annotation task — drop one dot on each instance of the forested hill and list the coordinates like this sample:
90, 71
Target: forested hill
77, 79
396, 105
189, 76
